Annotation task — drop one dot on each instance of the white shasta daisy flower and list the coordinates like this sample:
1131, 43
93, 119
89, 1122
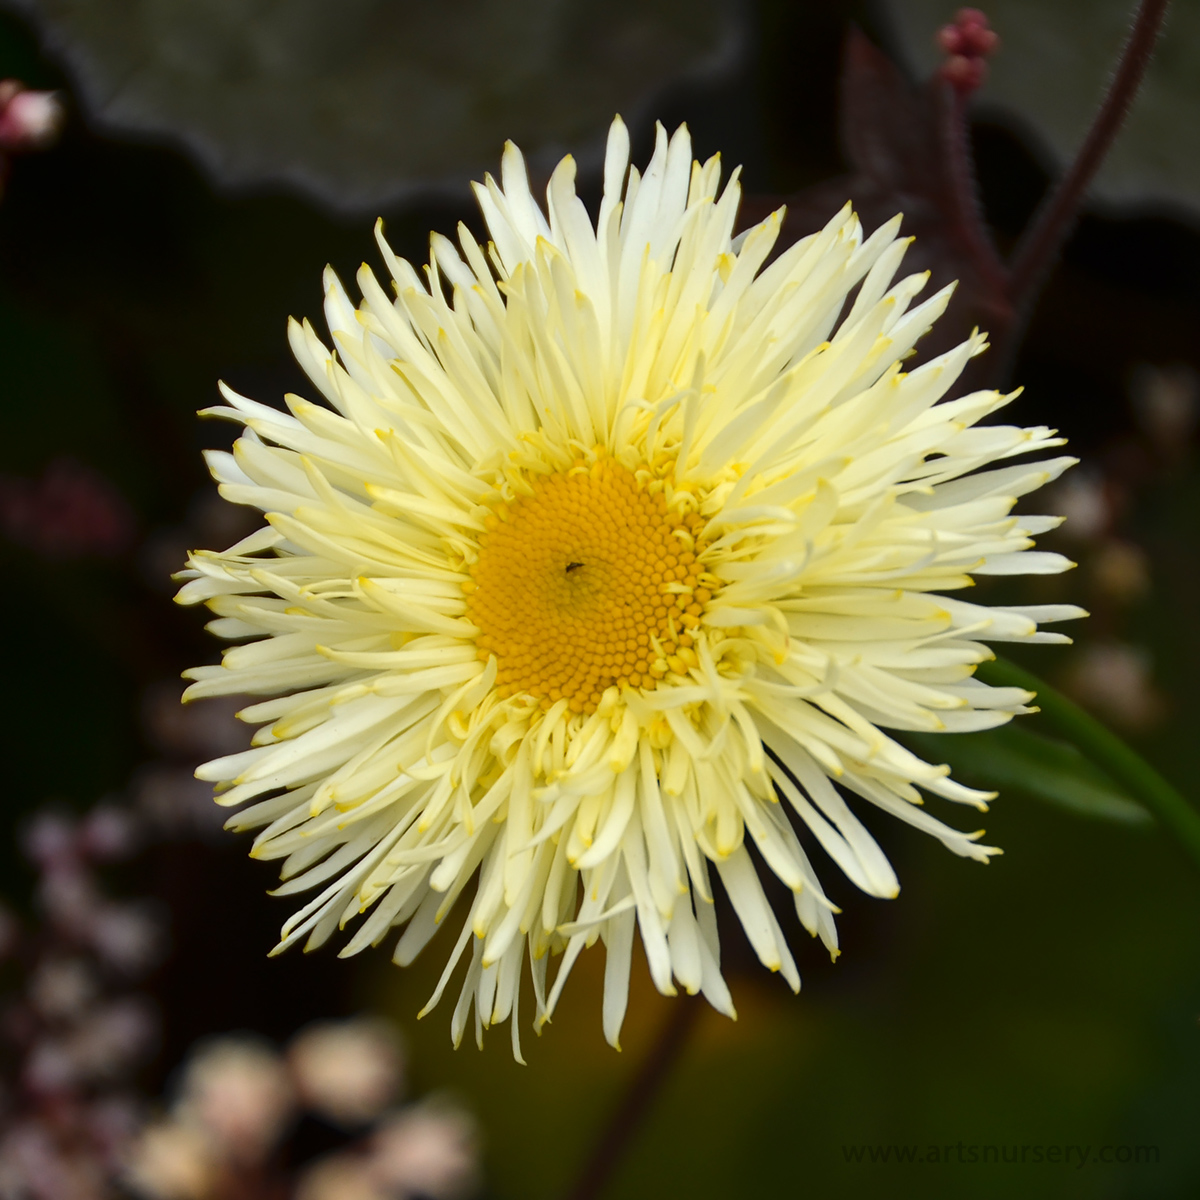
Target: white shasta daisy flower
610, 554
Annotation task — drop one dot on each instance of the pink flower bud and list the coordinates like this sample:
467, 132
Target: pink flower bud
128, 936
967, 42
49, 840
950, 39
115, 1038
70, 900
964, 74
108, 833
51, 1068
29, 120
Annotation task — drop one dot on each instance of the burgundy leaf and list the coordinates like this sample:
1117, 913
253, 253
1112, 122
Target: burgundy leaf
908, 153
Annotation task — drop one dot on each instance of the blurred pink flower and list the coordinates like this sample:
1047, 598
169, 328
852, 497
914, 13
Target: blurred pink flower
101, 1047
71, 512
49, 1068
49, 840
107, 833
72, 1129
69, 898
33, 1166
29, 120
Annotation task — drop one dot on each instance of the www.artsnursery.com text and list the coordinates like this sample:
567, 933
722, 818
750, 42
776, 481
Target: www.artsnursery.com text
976, 1154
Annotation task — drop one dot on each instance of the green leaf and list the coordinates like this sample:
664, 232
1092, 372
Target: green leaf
363, 103
1106, 751
1012, 758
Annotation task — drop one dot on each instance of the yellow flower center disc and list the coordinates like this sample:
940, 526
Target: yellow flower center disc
588, 583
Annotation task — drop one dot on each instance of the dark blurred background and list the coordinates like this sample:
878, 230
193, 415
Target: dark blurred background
1051, 999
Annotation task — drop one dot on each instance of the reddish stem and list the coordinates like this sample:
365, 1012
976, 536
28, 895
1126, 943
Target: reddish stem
1038, 246
643, 1090
960, 168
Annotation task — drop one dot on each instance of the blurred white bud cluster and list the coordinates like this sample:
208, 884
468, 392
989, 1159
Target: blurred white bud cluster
1108, 673
74, 1029
238, 1099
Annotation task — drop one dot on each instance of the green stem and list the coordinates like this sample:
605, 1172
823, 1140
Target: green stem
1107, 751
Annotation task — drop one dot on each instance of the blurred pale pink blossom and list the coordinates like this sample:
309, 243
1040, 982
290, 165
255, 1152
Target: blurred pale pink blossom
121, 1031
1114, 679
62, 988
49, 840
71, 512
1121, 570
1166, 403
1082, 498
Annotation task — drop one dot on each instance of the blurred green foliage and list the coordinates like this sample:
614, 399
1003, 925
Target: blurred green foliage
1013, 760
